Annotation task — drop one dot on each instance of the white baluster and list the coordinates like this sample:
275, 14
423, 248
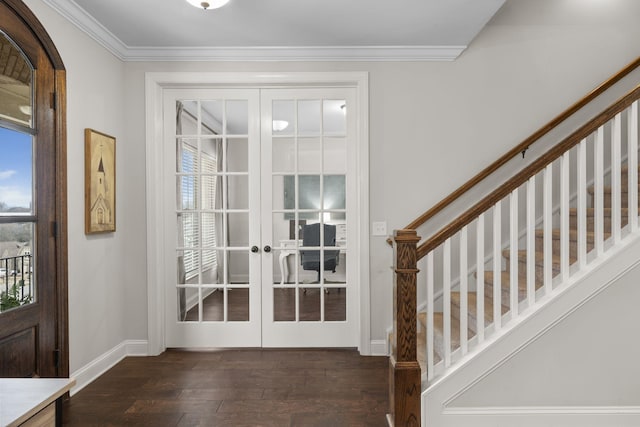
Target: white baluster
548, 218
564, 216
531, 241
446, 301
430, 310
513, 248
581, 211
598, 191
497, 266
464, 292
480, 278
632, 163
616, 156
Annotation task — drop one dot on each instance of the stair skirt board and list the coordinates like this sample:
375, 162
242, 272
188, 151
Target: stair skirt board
548, 416
497, 349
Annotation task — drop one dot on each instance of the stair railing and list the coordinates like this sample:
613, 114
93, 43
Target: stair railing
464, 267
532, 211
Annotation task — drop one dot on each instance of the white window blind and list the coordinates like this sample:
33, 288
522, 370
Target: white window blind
199, 229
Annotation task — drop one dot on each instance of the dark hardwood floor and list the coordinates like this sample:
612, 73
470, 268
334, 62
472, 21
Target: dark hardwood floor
257, 387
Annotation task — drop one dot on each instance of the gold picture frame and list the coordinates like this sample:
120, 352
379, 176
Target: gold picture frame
99, 182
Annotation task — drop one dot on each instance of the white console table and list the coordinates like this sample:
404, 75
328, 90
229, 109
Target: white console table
31, 401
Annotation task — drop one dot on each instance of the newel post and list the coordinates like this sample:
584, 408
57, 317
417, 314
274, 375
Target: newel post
404, 370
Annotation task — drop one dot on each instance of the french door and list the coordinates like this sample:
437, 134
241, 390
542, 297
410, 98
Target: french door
309, 286
248, 173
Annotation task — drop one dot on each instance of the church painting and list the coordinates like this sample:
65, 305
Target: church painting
100, 182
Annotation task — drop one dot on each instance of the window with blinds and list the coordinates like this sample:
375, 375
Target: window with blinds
198, 189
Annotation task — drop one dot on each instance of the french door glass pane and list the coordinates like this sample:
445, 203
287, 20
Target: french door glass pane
284, 113
334, 193
212, 305
238, 191
237, 117
309, 117
283, 155
238, 229
309, 155
335, 305
335, 155
211, 118
334, 113
284, 304
309, 304
237, 155
238, 304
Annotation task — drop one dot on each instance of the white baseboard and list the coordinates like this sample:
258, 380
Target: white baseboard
379, 348
92, 370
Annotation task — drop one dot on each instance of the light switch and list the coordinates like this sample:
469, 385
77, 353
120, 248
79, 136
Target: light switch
379, 228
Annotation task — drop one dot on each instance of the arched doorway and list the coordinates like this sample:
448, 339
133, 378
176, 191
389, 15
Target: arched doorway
33, 225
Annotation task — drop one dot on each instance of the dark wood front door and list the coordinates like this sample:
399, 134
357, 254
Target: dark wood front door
33, 291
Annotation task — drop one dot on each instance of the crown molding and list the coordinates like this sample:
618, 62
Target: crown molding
89, 25
296, 53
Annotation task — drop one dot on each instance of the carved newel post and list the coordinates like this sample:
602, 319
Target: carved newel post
404, 370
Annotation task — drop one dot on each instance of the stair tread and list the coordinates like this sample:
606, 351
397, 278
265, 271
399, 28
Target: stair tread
472, 306
505, 281
573, 233
472, 298
606, 211
522, 256
606, 189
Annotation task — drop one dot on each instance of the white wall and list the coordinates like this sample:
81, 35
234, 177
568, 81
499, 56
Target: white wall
432, 127
100, 276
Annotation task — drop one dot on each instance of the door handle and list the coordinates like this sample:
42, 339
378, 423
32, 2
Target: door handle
255, 249
267, 249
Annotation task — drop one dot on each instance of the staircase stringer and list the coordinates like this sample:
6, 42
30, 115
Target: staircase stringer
519, 333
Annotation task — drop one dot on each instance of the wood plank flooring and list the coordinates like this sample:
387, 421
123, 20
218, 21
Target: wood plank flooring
255, 387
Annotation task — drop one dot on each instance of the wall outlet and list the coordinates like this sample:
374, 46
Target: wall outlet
379, 228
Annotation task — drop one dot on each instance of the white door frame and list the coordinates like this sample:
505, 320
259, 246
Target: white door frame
155, 84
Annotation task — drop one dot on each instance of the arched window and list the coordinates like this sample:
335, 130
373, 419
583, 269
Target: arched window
33, 254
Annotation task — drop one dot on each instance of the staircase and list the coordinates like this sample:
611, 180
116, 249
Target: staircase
505, 292
514, 252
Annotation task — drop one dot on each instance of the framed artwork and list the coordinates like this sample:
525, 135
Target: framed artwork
99, 182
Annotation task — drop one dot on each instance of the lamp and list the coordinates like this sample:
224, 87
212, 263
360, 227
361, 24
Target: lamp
211, 4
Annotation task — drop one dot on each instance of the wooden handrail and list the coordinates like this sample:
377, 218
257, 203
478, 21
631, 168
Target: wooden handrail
524, 175
522, 146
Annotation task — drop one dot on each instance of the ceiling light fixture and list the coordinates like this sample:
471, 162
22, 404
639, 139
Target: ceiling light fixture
280, 125
211, 4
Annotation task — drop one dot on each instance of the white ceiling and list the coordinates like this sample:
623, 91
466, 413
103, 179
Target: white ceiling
282, 29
